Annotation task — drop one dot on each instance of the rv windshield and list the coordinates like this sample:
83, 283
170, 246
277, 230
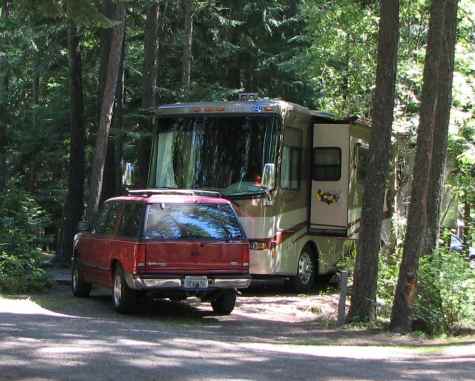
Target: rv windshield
224, 153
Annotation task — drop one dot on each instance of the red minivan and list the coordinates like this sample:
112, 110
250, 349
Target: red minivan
171, 243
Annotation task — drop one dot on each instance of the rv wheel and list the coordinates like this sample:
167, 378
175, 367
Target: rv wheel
304, 281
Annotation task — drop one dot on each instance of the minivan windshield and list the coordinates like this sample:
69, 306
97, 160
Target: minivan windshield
192, 222
226, 153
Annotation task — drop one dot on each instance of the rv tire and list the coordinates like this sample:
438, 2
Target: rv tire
307, 267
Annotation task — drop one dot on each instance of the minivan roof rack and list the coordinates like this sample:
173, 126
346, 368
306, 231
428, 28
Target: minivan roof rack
184, 192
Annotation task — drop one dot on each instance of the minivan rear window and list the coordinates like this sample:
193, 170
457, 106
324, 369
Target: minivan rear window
192, 222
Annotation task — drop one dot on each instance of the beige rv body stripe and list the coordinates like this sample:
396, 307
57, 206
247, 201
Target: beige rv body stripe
267, 227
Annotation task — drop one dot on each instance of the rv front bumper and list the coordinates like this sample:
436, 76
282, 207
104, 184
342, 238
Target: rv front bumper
145, 283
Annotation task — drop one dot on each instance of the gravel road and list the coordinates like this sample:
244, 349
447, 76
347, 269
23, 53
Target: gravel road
57, 337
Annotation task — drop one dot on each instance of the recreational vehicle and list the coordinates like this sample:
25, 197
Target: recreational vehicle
294, 175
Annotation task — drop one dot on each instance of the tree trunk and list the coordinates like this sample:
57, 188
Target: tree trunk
74, 207
149, 99
112, 164
467, 224
441, 132
363, 301
233, 64
4, 82
6, 8
35, 89
119, 122
113, 68
187, 54
112, 169
404, 298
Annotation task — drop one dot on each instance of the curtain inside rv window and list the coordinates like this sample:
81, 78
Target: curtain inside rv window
326, 164
223, 152
291, 159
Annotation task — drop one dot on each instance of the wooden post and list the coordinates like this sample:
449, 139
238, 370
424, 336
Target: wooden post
343, 282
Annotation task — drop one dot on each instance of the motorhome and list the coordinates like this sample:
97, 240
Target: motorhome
294, 175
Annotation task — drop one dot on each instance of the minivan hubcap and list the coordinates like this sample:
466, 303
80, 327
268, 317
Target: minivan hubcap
305, 268
117, 289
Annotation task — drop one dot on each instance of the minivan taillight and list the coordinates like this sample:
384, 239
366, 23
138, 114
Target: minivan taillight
139, 258
245, 255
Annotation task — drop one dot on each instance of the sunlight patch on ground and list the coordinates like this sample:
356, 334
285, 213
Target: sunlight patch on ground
27, 307
293, 309
353, 352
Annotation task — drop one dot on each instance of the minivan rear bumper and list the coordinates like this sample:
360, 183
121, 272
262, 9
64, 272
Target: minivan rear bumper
137, 282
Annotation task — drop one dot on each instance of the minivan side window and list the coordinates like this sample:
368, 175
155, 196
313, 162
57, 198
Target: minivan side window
131, 220
108, 217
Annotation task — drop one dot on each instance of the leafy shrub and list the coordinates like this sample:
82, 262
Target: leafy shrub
20, 222
446, 292
388, 272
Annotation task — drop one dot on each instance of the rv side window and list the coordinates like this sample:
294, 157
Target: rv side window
291, 159
326, 164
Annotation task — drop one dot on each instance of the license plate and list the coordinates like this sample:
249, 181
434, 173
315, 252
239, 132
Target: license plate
196, 282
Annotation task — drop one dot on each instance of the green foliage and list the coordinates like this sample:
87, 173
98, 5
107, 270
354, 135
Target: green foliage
21, 220
342, 66
388, 272
446, 292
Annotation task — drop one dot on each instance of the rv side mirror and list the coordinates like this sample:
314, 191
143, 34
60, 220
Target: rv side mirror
268, 176
84, 226
128, 175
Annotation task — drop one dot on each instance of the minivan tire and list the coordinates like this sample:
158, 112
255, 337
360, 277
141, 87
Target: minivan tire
224, 303
124, 298
80, 288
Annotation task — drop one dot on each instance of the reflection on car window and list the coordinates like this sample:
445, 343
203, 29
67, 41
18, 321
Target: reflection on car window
131, 220
203, 221
101, 218
107, 218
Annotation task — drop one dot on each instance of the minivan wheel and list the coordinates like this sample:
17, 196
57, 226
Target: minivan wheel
79, 287
306, 276
224, 303
123, 297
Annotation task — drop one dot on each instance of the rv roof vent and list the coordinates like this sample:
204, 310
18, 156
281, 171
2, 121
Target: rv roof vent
248, 97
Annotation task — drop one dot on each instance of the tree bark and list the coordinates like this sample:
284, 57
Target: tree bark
6, 8
233, 64
113, 68
109, 187
467, 224
4, 82
187, 54
149, 100
441, 128
120, 107
74, 206
363, 301
35, 93
404, 298
112, 169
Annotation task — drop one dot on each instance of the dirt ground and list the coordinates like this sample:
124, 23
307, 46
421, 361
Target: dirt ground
271, 335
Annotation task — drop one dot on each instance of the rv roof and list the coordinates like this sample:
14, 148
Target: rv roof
260, 106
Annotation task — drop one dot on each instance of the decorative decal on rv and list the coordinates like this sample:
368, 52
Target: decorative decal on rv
327, 197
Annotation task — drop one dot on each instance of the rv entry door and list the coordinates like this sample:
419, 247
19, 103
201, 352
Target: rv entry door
330, 171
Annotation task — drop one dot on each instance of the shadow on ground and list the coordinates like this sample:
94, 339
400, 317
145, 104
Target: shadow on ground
58, 347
